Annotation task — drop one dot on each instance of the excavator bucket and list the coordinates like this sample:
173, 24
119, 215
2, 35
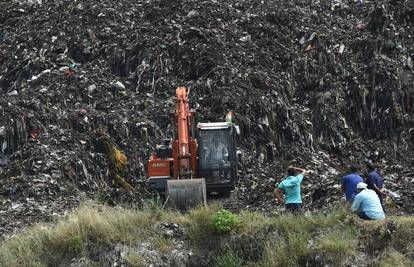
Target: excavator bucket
186, 193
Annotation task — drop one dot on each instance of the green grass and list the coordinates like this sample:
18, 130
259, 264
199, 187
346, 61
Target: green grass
228, 258
337, 245
285, 251
75, 244
200, 227
252, 222
331, 238
393, 258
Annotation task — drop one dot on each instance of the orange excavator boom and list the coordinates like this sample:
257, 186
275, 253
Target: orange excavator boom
181, 187
183, 113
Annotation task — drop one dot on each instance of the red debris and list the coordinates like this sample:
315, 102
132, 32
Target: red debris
36, 132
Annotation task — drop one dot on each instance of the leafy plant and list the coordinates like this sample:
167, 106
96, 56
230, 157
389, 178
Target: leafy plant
224, 221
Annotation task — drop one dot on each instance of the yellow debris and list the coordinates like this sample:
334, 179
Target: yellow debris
118, 163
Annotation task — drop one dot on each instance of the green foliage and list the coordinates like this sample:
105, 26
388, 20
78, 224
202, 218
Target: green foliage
75, 244
229, 258
224, 221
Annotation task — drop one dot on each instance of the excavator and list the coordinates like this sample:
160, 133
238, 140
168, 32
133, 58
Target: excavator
198, 160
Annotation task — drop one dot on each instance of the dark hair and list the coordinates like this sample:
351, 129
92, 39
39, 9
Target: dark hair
291, 171
354, 167
370, 166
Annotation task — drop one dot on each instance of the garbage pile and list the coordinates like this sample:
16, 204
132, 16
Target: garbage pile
319, 84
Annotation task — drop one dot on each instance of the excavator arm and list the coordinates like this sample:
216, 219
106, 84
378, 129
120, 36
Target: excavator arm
183, 188
182, 114
185, 191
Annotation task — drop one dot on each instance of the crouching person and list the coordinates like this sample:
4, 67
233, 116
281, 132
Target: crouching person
367, 204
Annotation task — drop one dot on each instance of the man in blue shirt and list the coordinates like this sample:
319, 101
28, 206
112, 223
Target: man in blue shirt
288, 191
349, 183
367, 204
375, 181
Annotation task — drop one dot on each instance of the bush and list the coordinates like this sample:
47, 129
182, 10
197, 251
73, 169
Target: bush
224, 221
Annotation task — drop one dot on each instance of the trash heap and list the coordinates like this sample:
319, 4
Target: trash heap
315, 84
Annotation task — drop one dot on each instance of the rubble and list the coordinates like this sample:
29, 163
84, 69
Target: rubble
318, 85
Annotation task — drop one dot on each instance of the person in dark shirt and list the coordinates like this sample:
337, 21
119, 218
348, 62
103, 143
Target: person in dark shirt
349, 183
375, 181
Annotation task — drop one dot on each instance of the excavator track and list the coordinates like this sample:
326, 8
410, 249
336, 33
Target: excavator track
231, 203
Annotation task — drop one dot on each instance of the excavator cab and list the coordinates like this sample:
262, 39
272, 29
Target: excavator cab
216, 166
217, 162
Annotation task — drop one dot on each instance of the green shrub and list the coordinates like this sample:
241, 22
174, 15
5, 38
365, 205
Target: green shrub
224, 221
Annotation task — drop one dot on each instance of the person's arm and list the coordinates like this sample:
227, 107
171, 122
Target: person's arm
376, 189
278, 194
356, 204
371, 182
343, 185
298, 169
301, 171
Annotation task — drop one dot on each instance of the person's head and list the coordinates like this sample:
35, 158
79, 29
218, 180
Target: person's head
353, 167
291, 171
361, 186
370, 166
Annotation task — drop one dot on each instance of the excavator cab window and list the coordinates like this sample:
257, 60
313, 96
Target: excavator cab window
217, 155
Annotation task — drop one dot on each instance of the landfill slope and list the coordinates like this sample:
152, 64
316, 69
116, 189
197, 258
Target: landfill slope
315, 84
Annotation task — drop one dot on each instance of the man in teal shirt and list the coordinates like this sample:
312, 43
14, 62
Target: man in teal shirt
288, 191
367, 204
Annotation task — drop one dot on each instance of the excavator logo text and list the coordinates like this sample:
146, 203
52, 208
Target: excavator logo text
159, 164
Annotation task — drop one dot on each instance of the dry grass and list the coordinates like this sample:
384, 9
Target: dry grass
163, 244
284, 240
134, 259
49, 244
